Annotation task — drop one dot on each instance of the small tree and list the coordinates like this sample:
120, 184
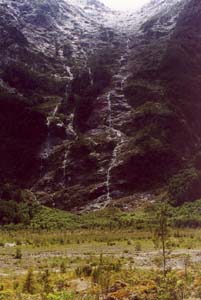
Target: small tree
162, 233
46, 281
63, 267
187, 263
29, 284
18, 253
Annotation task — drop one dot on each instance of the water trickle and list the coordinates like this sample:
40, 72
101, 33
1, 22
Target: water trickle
113, 162
47, 147
70, 74
64, 166
109, 103
70, 77
70, 125
55, 110
119, 136
91, 76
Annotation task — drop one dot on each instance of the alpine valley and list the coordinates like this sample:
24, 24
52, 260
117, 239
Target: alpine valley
99, 108
100, 150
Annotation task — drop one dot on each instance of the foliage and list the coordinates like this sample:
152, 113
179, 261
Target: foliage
19, 210
185, 186
48, 218
18, 254
28, 213
23, 78
16, 213
29, 284
140, 91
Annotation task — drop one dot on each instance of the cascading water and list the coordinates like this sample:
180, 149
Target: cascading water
117, 133
65, 164
109, 111
120, 140
120, 137
55, 110
91, 76
70, 74
69, 128
47, 148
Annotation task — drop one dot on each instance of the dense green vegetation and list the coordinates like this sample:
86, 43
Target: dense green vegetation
187, 215
27, 80
24, 211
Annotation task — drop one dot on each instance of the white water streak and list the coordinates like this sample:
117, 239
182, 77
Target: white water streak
119, 135
91, 76
69, 127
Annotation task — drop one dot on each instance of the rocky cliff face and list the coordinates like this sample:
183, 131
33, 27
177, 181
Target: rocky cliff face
99, 107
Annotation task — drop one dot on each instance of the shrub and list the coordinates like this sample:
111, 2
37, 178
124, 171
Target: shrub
138, 247
85, 270
29, 284
18, 254
63, 267
23, 78
185, 186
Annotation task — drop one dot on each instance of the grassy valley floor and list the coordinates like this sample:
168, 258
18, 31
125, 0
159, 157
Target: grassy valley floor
108, 254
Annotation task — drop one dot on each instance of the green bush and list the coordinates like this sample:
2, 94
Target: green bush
85, 270
22, 77
140, 91
185, 186
29, 284
18, 254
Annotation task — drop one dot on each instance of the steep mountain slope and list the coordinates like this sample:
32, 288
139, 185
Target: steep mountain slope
40, 42
164, 91
99, 107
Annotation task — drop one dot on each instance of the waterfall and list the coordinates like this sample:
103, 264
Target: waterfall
55, 110
70, 74
65, 161
70, 78
47, 147
120, 140
91, 76
109, 103
69, 128
120, 137
117, 133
